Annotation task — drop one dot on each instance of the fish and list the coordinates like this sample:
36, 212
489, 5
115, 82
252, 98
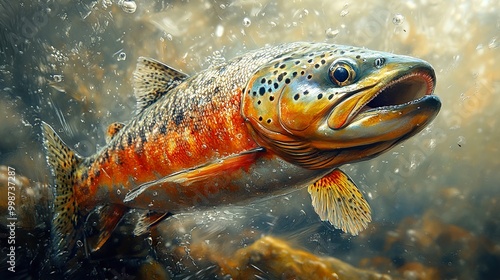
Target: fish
265, 123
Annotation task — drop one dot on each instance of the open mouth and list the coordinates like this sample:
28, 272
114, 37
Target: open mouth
408, 89
405, 90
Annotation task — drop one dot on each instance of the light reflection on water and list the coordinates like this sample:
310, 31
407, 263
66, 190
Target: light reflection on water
70, 64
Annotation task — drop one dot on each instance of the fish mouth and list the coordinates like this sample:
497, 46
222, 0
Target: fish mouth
403, 90
408, 89
388, 110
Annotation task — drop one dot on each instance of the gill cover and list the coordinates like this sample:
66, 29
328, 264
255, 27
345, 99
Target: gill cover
285, 100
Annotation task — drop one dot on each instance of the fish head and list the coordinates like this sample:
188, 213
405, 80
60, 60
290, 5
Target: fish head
325, 105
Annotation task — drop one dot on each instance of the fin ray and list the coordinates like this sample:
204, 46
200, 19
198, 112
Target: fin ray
148, 220
109, 217
66, 224
153, 79
336, 199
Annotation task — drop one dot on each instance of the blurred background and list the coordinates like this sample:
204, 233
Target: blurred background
435, 199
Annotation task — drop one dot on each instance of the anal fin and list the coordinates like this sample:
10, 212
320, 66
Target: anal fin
109, 217
336, 199
148, 220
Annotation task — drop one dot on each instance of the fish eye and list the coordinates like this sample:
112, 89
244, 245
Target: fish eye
342, 73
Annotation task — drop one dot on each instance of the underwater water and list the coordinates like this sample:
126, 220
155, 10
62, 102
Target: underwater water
435, 198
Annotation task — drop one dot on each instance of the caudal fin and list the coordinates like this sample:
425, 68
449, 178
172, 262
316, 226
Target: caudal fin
66, 224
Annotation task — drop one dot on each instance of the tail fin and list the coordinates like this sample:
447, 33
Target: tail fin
66, 224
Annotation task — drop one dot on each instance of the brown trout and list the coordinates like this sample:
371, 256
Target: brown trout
263, 124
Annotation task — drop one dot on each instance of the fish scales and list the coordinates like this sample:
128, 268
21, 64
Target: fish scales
196, 122
265, 123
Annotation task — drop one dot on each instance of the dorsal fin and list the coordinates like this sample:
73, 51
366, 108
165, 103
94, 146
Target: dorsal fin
152, 79
113, 130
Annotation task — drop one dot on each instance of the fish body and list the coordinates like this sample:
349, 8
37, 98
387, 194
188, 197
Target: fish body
265, 123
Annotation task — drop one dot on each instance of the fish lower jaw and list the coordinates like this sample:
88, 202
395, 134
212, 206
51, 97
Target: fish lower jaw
406, 90
426, 102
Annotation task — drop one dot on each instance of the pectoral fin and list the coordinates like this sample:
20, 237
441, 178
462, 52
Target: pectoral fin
336, 199
191, 175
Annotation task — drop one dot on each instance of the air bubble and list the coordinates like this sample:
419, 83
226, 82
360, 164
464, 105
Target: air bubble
79, 243
169, 37
121, 56
398, 19
118, 192
331, 33
247, 22
344, 13
461, 141
57, 78
127, 6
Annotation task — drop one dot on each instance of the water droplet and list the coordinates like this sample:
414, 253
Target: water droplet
398, 19
127, 6
247, 22
331, 33
121, 56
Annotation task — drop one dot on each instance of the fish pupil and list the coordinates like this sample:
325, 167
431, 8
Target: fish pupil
340, 74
